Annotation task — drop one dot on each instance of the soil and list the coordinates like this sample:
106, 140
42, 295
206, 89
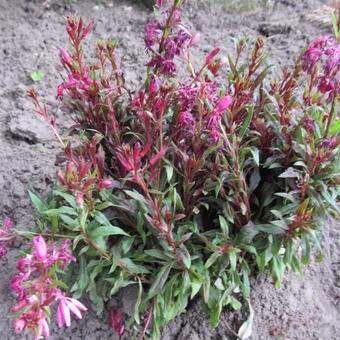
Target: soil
31, 33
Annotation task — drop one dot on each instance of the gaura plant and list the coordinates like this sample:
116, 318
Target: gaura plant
188, 185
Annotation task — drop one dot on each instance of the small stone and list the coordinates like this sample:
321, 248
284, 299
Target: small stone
31, 131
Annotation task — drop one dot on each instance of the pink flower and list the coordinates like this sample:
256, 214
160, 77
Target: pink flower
43, 328
19, 325
40, 247
66, 307
32, 299
105, 183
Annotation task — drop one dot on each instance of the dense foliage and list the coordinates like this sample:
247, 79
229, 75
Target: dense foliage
188, 185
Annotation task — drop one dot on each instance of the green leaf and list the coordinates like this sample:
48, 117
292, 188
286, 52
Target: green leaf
246, 328
139, 299
305, 246
246, 123
232, 257
82, 280
212, 259
335, 129
224, 226
59, 211
67, 197
184, 255
245, 285
235, 303
256, 155
289, 173
215, 315
39, 205
158, 254
140, 223
127, 244
37, 75
132, 267
160, 280
169, 172
107, 231
196, 285
288, 196
136, 196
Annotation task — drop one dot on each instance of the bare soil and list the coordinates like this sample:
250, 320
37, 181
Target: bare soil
30, 36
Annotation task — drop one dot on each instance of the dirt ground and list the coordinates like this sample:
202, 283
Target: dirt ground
29, 40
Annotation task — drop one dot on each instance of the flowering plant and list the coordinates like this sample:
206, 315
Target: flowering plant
183, 186
37, 287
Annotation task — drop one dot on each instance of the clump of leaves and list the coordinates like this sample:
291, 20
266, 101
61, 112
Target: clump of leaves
185, 185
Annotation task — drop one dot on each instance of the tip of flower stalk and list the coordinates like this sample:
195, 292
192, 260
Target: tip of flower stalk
31, 92
7, 223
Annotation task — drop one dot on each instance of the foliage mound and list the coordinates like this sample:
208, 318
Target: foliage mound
191, 183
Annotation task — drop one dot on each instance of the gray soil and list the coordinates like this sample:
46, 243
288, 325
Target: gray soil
30, 36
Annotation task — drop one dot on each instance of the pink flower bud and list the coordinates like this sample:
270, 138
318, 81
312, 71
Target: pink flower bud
61, 177
194, 40
212, 54
224, 103
80, 25
40, 247
19, 306
152, 86
158, 156
44, 328
80, 200
65, 56
136, 152
105, 183
121, 330
7, 223
87, 29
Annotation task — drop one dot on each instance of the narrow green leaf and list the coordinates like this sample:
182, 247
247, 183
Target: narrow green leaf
139, 299
107, 231
39, 205
289, 173
136, 196
133, 267
246, 328
62, 210
224, 226
246, 123
160, 280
